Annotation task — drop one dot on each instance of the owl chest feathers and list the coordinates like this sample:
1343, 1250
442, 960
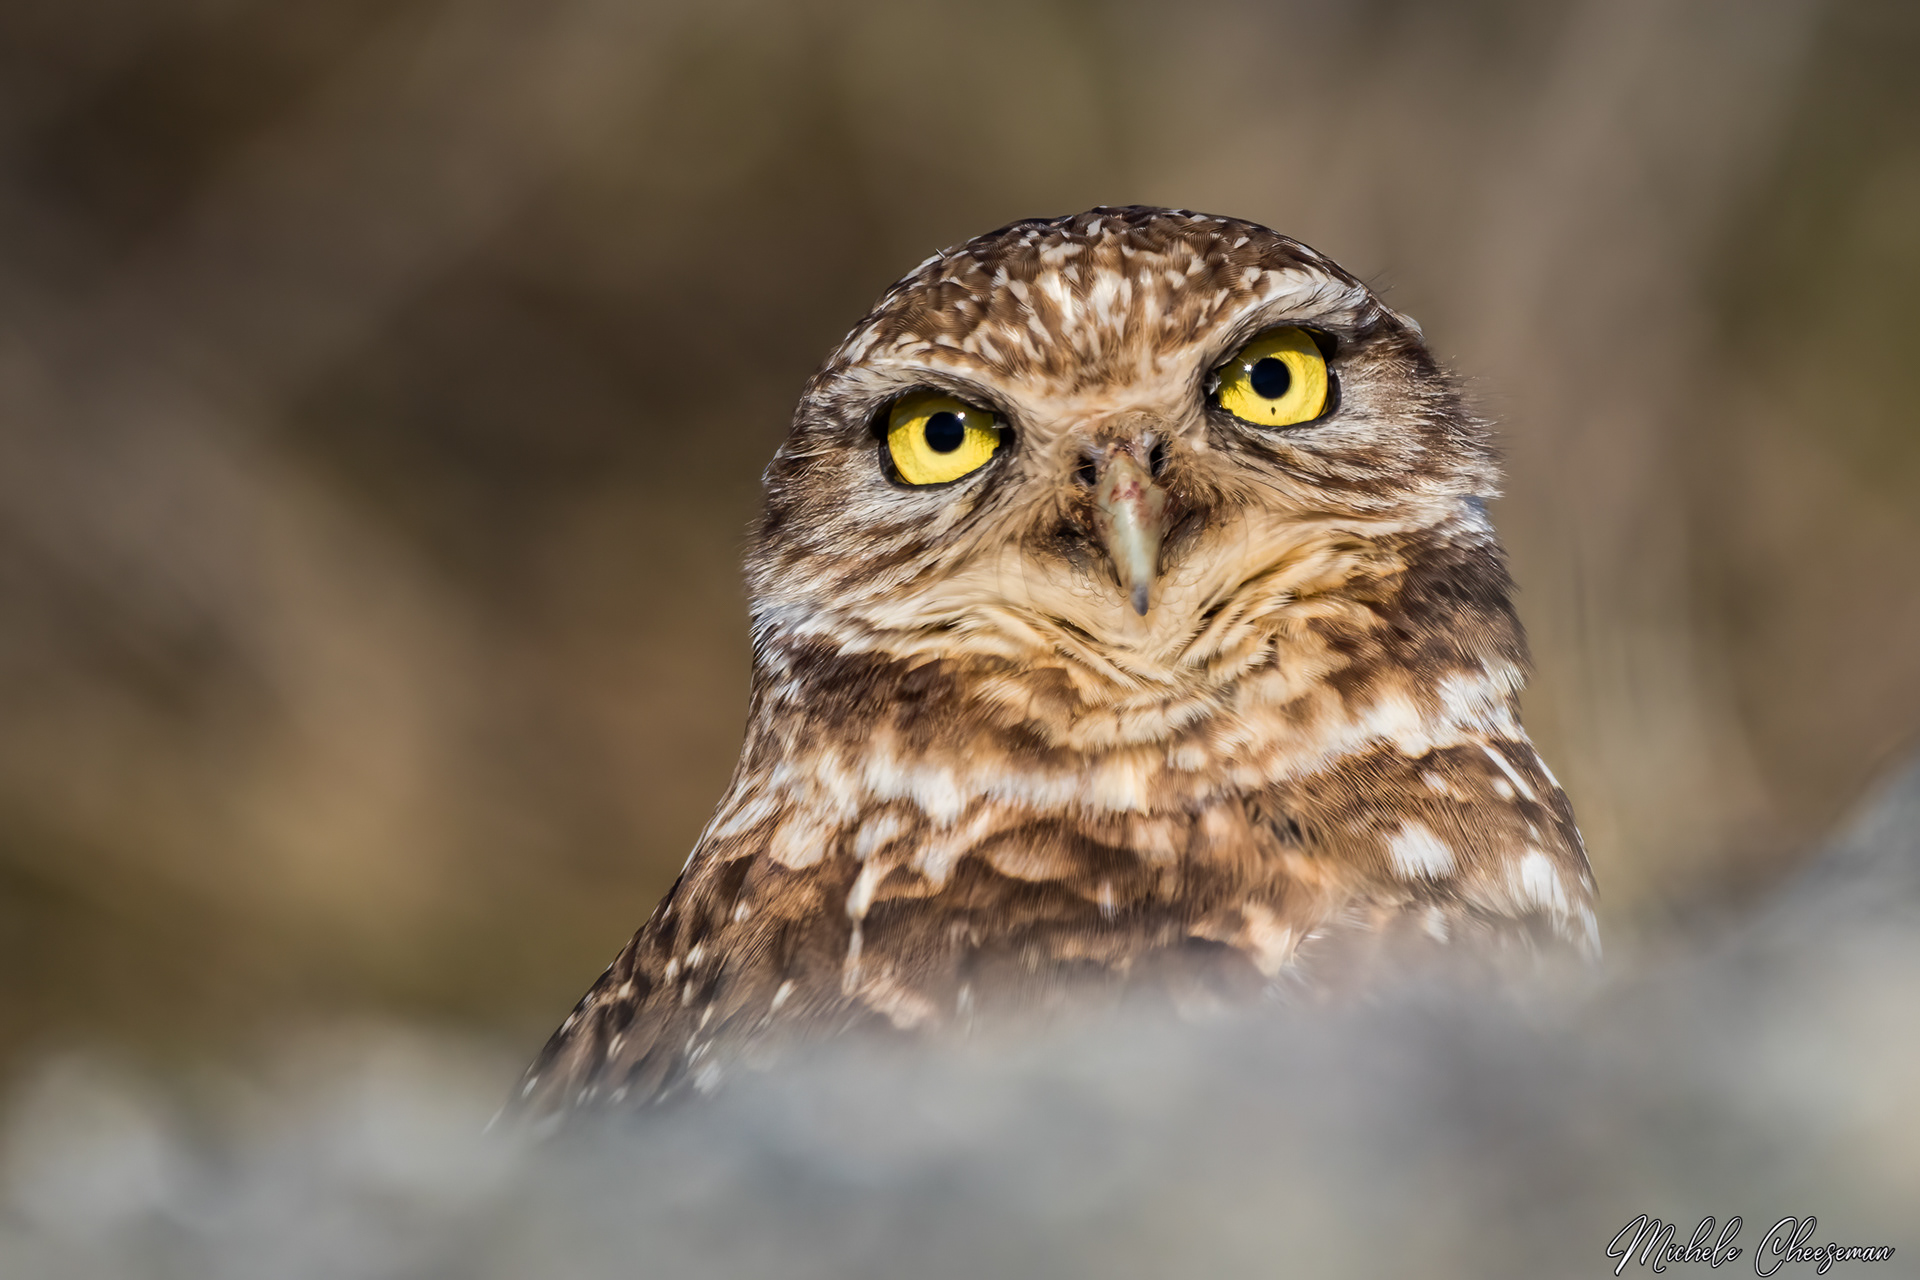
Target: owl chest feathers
918, 840
930, 817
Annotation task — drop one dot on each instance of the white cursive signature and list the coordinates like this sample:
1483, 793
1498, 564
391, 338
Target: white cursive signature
1653, 1240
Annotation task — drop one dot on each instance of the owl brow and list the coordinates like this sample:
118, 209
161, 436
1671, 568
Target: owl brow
1318, 326
875, 412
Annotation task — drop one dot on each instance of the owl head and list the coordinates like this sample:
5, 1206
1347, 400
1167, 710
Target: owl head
1131, 436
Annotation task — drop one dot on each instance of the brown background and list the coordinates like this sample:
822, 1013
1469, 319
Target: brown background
384, 386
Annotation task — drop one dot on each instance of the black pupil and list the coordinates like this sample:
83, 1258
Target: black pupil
1271, 378
945, 432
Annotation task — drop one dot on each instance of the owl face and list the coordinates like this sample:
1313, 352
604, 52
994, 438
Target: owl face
1124, 435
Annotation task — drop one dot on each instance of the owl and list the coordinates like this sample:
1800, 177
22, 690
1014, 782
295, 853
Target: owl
1127, 623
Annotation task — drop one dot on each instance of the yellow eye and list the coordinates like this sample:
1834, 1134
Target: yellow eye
934, 438
1276, 380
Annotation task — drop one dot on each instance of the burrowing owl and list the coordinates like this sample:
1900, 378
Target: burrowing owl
1126, 618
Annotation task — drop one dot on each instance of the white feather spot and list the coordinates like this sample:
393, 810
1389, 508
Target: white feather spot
1479, 700
1589, 928
878, 832
1417, 852
1540, 883
860, 897
1519, 782
850, 968
1188, 757
797, 843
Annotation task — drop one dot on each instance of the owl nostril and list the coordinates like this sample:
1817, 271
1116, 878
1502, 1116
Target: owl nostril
1157, 460
1087, 472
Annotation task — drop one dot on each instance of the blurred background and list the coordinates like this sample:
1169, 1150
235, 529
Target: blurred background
384, 386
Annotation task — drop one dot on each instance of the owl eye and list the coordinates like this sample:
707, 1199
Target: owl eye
933, 438
1277, 380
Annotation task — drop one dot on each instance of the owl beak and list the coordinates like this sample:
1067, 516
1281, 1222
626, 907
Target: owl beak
1130, 512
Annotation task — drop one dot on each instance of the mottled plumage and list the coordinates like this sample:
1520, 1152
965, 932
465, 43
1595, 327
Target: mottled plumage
984, 775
